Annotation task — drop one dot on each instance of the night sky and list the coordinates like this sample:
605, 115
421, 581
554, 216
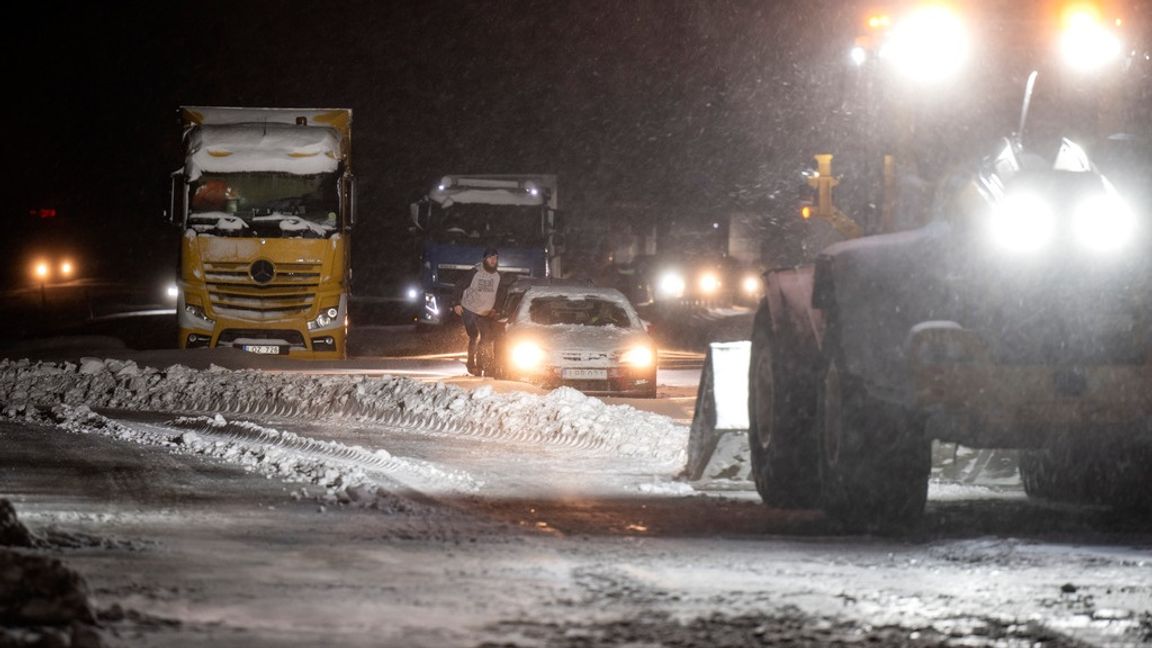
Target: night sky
698, 106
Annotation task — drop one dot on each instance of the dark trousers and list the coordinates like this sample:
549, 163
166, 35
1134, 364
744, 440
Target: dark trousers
479, 329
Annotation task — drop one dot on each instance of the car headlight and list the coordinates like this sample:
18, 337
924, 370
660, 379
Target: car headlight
67, 268
708, 283
751, 284
670, 285
638, 356
325, 319
1103, 222
1023, 222
527, 356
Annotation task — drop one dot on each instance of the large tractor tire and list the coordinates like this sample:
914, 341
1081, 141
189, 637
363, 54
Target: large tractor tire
874, 457
782, 379
1090, 467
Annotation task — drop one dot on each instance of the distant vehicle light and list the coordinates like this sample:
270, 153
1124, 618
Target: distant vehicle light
670, 286
66, 268
1023, 222
1103, 223
1087, 44
751, 284
858, 55
527, 356
412, 294
930, 44
172, 291
638, 356
41, 270
708, 283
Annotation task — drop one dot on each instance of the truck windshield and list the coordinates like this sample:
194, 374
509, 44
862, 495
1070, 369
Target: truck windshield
499, 225
263, 204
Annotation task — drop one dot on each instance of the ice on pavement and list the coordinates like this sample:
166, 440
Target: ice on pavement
217, 396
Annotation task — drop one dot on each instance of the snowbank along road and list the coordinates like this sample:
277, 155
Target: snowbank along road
248, 508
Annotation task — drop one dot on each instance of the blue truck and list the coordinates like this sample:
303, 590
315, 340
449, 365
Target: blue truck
462, 215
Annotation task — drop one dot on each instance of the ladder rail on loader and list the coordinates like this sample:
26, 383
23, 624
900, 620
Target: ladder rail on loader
718, 437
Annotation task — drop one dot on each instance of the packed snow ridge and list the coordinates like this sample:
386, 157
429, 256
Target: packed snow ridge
562, 417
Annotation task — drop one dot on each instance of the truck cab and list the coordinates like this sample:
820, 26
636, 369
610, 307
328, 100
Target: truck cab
463, 215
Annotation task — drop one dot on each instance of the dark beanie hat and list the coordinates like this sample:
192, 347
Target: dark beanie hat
490, 252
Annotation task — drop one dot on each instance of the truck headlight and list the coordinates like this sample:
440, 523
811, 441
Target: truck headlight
527, 356
1023, 222
193, 316
638, 356
325, 319
1103, 222
670, 285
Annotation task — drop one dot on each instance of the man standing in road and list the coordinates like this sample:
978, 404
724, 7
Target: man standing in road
477, 294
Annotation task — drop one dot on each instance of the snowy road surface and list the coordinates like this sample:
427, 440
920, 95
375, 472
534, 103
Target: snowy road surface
250, 508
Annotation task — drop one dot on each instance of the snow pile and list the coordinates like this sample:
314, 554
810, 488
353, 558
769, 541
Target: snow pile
563, 417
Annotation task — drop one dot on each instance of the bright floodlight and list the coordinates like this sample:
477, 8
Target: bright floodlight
172, 291
1087, 44
41, 270
66, 268
930, 44
1104, 223
1023, 223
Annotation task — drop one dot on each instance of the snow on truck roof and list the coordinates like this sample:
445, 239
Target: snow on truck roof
229, 140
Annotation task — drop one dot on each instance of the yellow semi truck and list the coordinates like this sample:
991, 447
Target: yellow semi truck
266, 200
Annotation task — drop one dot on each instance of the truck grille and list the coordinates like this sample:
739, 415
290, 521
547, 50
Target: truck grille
234, 293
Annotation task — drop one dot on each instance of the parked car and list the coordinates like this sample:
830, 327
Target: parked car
582, 336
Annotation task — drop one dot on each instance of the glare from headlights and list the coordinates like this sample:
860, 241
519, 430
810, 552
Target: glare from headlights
1023, 223
670, 285
751, 284
66, 268
41, 270
1103, 223
1087, 44
173, 291
638, 356
527, 356
708, 283
929, 45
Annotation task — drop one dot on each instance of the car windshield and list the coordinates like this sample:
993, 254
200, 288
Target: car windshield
582, 311
269, 205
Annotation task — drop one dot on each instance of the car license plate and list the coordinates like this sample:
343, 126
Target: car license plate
585, 374
267, 349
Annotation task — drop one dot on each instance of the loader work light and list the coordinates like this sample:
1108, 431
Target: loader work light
930, 44
1103, 222
1023, 222
1087, 43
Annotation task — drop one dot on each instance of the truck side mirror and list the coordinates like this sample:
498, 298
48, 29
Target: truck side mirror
177, 191
351, 189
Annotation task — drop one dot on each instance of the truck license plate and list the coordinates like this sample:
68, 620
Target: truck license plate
585, 374
267, 349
